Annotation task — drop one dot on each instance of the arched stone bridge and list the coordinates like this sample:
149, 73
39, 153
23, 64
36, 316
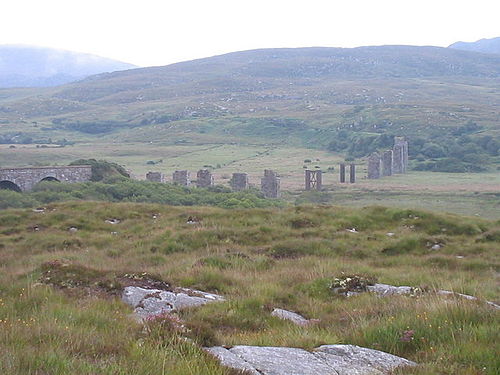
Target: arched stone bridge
24, 179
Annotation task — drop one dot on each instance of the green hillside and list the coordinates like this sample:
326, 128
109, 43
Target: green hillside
350, 101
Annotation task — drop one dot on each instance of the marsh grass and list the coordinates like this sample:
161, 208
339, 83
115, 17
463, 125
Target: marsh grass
259, 259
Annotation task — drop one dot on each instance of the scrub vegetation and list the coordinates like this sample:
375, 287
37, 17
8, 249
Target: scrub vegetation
63, 268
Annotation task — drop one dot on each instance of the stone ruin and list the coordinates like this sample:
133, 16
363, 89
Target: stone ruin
155, 177
374, 165
314, 180
387, 159
270, 184
204, 178
391, 161
239, 181
352, 173
400, 158
181, 178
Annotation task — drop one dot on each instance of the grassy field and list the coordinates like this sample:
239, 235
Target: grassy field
75, 324
462, 193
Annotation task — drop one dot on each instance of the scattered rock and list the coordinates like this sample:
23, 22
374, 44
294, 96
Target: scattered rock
390, 234
151, 302
389, 290
325, 360
436, 247
466, 296
289, 315
112, 221
192, 220
39, 209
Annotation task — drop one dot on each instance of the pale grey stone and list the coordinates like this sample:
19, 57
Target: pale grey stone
289, 315
325, 360
381, 361
229, 359
389, 290
150, 302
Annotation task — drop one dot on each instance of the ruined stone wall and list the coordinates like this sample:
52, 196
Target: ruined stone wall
270, 184
204, 178
155, 177
239, 181
27, 178
387, 158
181, 178
374, 166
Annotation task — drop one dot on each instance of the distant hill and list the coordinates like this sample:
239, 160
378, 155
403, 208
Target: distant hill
484, 45
349, 100
27, 66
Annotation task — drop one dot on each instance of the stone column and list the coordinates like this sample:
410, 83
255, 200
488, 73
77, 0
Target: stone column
352, 173
239, 181
342, 173
374, 166
270, 184
397, 159
387, 163
314, 180
204, 178
155, 177
181, 178
405, 156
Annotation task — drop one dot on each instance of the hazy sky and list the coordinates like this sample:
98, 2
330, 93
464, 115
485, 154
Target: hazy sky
159, 32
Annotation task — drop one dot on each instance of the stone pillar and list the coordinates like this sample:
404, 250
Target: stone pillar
155, 177
374, 166
239, 181
400, 164
270, 184
405, 156
342, 173
204, 178
387, 163
352, 173
181, 178
313, 180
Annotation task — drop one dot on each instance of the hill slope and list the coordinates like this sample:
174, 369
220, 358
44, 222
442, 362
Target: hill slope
484, 45
26, 66
340, 99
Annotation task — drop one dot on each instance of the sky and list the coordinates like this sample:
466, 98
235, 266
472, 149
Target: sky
160, 32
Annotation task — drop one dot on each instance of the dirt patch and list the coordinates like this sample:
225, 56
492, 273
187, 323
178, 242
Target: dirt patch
78, 279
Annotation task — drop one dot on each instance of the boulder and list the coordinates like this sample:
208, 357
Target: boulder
151, 302
291, 316
325, 360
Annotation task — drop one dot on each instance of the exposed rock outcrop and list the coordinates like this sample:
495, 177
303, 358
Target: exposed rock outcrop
325, 360
151, 302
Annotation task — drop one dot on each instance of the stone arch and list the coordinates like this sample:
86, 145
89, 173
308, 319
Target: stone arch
9, 185
49, 179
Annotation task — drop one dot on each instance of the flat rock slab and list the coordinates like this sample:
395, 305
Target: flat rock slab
151, 302
325, 360
389, 290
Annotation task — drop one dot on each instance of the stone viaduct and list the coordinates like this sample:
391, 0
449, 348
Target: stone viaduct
25, 179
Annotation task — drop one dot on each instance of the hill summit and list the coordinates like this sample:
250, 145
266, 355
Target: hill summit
30, 66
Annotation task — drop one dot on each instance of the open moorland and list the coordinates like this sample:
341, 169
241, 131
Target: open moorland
63, 269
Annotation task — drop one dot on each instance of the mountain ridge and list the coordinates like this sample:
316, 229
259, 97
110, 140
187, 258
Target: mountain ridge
32, 66
484, 45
